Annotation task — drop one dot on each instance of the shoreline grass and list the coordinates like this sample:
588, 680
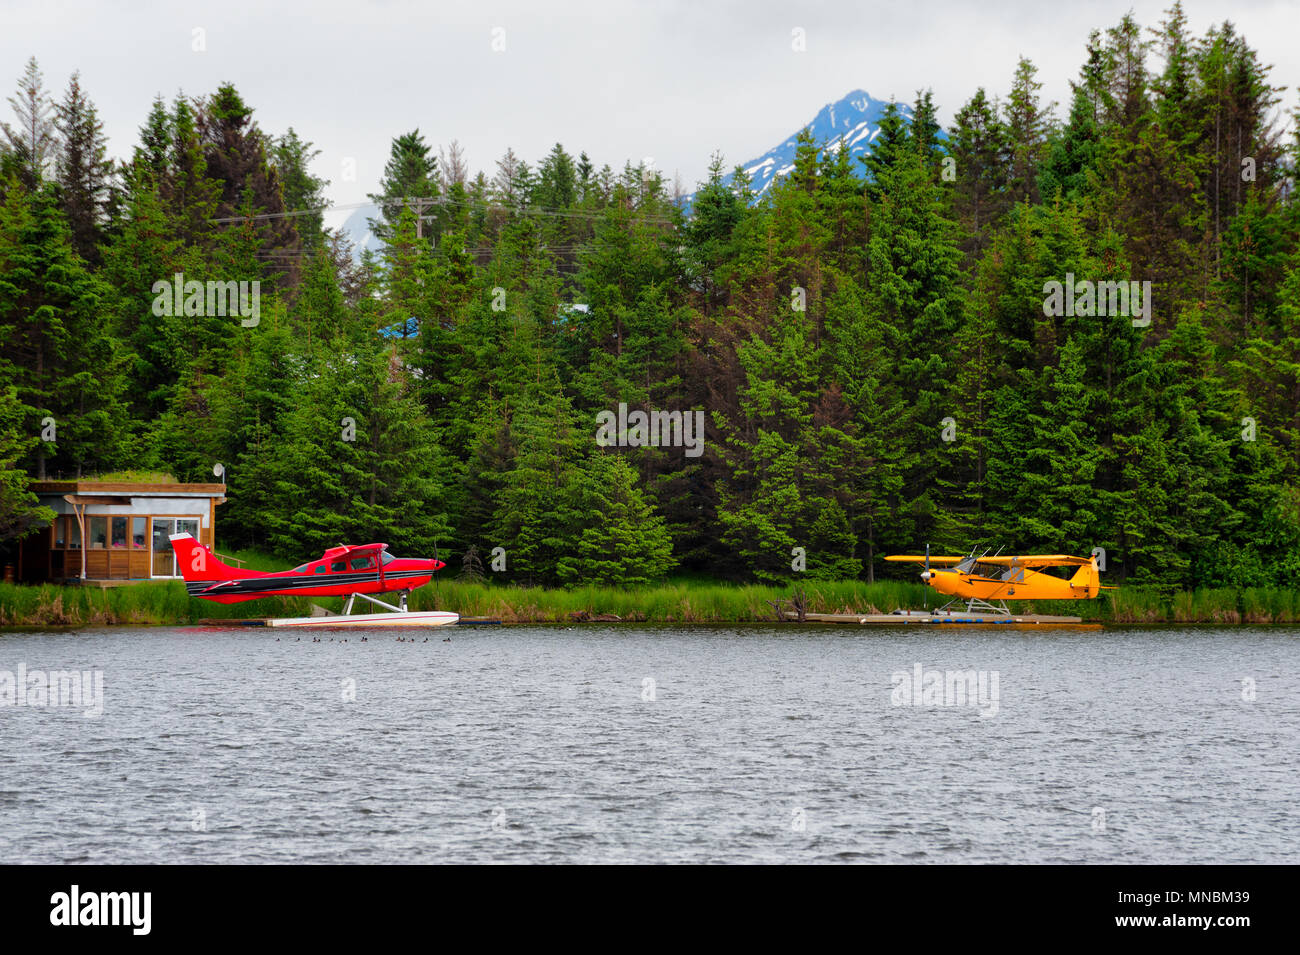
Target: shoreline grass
146, 602
693, 601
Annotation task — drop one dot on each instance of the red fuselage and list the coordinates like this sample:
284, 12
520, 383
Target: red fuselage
340, 571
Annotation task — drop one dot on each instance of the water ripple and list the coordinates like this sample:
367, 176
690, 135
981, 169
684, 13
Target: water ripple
621, 745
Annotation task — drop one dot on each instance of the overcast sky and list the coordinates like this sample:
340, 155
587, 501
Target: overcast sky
670, 81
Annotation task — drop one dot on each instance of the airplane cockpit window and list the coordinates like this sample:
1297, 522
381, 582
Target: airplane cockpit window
362, 563
386, 558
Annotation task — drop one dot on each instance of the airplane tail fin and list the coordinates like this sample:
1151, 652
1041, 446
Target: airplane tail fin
1087, 579
197, 563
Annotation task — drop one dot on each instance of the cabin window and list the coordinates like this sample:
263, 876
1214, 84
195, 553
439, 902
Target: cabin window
119, 531
320, 569
164, 559
98, 533
338, 567
363, 563
139, 533
73, 532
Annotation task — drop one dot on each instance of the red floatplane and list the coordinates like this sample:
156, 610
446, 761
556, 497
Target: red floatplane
358, 571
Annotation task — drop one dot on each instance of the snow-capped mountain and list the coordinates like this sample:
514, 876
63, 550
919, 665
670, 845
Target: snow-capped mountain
357, 228
850, 123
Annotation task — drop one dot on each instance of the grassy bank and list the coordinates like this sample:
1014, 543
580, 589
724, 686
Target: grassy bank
720, 603
694, 602
165, 602
146, 602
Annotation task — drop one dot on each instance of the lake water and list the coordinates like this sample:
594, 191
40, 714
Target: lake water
656, 744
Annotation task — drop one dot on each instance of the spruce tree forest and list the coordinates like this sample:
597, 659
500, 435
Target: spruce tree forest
868, 342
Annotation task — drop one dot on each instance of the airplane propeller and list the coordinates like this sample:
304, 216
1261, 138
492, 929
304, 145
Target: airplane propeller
925, 576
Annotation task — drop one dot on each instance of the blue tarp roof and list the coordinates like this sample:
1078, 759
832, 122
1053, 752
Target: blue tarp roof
407, 329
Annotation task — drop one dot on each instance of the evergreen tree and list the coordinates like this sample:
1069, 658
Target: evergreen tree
914, 282
890, 143
925, 130
191, 196
82, 171
238, 159
20, 510
147, 250
1028, 124
33, 139
624, 542
556, 186
785, 483
356, 461
151, 156
536, 520
65, 364
304, 193
864, 400
716, 213
411, 173
980, 150
1126, 77
1073, 154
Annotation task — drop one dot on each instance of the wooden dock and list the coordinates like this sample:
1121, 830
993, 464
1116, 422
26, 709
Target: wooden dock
950, 617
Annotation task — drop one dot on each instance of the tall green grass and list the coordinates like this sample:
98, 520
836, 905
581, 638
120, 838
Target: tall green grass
674, 602
144, 602
1133, 605
1270, 605
1204, 604
135, 477
678, 601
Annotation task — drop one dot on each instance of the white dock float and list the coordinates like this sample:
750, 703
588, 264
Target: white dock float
408, 618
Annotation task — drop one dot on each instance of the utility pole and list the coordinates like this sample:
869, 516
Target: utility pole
421, 203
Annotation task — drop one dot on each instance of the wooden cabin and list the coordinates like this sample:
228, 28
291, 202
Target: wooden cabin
116, 530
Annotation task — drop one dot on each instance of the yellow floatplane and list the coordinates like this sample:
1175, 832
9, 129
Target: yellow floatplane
980, 581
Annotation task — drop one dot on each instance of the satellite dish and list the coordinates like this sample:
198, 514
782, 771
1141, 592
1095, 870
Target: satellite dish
218, 469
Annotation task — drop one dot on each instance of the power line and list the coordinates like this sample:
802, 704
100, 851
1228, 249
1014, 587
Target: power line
288, 215
423, 201
480, 250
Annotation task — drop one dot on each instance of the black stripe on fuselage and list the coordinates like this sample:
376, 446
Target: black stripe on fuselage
248, 585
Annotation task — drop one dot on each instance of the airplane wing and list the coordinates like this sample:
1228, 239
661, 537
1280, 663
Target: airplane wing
344, 551
362, 549
921, 559
1038, 560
